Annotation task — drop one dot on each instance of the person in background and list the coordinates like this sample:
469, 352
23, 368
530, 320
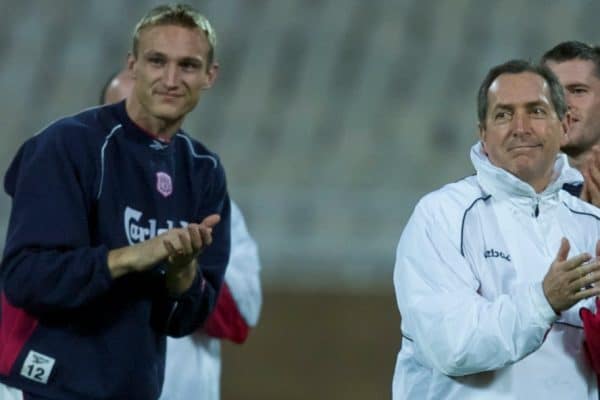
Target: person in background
577, 66
117, 88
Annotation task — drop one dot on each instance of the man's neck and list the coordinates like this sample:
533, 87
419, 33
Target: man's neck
161, 128
540, 185
579, 160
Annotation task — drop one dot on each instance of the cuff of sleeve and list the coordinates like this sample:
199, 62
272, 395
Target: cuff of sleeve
195, 289
540, 303
102, 266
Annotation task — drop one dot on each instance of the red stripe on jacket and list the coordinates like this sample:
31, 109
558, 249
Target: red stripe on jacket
16, 327
226, 322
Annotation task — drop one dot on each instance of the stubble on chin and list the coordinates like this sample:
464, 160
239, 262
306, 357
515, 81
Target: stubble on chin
574, 148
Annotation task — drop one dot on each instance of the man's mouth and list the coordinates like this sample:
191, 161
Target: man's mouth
524, 146
169, 95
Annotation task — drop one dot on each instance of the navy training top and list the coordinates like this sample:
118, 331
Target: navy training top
84, 185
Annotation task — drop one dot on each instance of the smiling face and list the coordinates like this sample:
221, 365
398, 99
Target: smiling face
170, 70
522, 132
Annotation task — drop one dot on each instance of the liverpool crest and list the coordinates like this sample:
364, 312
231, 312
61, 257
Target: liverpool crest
164, 185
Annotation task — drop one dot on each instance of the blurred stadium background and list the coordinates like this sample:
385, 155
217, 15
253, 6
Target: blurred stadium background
332, 118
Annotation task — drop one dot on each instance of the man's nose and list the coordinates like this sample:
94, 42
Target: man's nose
171, 75
521, 123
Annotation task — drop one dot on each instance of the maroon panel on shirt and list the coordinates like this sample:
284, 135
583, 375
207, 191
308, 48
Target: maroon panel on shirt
226, 322
591, 333
16, 327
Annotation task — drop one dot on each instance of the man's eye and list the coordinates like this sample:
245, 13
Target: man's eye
539, 111
189, 66
501, 115
156, 61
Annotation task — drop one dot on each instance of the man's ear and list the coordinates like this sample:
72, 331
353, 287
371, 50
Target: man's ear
566, 123
130, 63
212, 73
482, 136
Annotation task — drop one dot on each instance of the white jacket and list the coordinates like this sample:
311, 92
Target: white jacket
468, 280
193, 363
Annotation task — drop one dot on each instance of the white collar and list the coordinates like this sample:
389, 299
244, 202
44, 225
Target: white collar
501, 183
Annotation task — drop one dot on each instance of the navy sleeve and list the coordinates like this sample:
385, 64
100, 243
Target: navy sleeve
188, 312
49, 264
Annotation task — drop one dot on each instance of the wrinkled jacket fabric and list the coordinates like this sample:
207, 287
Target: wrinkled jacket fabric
468, 281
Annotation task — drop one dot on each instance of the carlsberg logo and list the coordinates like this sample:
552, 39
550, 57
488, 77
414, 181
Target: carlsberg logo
137, 231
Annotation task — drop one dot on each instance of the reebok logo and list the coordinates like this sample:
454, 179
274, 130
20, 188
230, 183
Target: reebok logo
156, 145
37, 367
495, 254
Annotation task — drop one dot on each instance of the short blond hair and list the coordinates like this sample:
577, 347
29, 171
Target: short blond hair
180, 15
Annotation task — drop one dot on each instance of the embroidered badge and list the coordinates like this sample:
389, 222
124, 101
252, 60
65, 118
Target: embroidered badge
164, 185
37, 367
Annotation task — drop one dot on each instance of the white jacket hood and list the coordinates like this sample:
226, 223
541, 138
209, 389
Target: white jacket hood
501, 183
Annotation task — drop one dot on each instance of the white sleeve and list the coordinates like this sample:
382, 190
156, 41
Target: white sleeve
453, 328
243, 271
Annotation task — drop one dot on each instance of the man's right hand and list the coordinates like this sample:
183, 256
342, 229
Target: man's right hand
145, 255
571, 280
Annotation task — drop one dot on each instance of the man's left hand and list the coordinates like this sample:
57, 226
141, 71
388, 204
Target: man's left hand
183, 246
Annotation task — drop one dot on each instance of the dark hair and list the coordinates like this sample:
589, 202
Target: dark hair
557, 96
573, 50
102, 99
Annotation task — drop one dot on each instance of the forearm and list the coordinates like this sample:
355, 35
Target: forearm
189, 309
138, 257
54, 281
179, 281
461, 333
193, 289
181, 315
455, 328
